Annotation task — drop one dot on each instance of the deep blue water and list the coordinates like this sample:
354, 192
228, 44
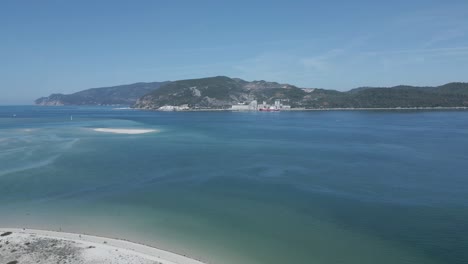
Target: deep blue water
287, 187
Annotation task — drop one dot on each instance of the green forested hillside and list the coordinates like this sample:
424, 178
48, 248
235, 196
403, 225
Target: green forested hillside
115, 95
221, 92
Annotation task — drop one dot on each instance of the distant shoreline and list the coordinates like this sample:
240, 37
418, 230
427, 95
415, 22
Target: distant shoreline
380, 108
314, 109
291, 109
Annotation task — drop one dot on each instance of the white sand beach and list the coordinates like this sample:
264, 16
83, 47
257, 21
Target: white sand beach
41, 246
129, 131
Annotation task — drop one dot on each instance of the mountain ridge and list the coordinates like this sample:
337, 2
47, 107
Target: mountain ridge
220, 92
126, 94
215, 92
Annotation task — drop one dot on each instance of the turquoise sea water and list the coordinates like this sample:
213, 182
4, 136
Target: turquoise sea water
289, 187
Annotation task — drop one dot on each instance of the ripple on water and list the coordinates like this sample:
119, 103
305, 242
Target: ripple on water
26, 149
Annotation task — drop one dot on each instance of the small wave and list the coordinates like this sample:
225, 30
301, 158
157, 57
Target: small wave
69, 144
30, 166
20, 152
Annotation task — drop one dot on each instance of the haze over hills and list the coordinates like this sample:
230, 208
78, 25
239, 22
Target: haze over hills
116, 95
221, 92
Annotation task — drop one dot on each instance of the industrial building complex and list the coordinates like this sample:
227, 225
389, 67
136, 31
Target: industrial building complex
255, 106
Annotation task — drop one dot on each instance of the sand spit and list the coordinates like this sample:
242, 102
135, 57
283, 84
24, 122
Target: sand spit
127, 131
24, 246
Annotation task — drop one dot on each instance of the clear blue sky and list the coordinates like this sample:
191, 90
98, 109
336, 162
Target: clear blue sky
67, 46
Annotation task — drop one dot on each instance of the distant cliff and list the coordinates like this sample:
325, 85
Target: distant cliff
217, 92
115, 95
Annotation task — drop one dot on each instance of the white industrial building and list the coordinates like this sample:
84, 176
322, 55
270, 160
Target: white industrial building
254, 106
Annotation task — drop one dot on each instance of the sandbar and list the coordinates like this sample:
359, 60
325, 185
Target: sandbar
128, 131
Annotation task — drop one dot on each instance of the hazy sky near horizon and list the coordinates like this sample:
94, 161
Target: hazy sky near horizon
66, 46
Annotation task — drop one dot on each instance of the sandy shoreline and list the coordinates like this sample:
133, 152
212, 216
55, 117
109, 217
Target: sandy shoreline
34, 246
128, 131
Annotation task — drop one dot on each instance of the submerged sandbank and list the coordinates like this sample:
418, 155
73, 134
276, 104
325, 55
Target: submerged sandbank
34, 246
129, 131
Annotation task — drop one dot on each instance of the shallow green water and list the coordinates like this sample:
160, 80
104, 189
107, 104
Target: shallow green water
288, 187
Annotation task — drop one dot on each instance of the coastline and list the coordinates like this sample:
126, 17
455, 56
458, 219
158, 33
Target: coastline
90, 248
316, 109
380, 108
282, 110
